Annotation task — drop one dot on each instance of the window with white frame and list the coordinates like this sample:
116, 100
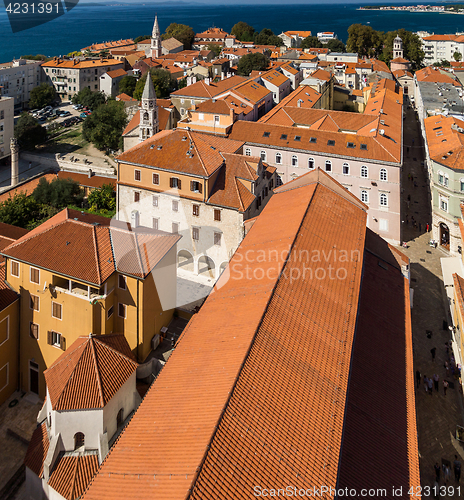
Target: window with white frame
328, 166
346, 169
364, 172
443, 203
383, 174
294, 161
155, 223
263, 155
155, 201
35, 275
462, 184
278, 158
383, 200
15, 268
440, 178
446, 180
247, 152
311, 163
364, 196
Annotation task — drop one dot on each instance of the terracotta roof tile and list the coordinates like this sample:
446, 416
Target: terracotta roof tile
72, 474
206, 152
26, 187
431, 74
201, 89
116, 72
12, 232
78, 64
7, 295
95, 181
37, 450
444, 140
88, 374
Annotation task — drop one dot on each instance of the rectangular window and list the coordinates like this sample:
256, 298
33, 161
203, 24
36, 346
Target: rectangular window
196, 210
217, 215
216, 120
175, 183
56, 310
156, 179
15, 269
56, 339
137, 175
122, 284
195, 233
175, 206
175, 228
35, 275
155, 201
34, 331
136, 196
110, 312
155, 223
34, 304
121, 310
217, 238
195, 186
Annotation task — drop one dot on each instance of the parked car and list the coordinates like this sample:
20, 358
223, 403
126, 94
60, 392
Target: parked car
83, 115
65, 113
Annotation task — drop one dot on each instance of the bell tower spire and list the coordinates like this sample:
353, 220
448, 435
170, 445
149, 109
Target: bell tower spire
156, 48
149, 123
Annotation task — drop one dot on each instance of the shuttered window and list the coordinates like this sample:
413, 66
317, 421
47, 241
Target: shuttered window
34, 331
56, 310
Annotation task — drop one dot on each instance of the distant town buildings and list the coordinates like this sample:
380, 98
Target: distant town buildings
6, 125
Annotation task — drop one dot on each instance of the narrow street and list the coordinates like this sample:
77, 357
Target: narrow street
437, 415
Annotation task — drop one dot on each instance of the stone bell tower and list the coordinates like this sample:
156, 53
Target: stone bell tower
397, 47
156, 48
149, 123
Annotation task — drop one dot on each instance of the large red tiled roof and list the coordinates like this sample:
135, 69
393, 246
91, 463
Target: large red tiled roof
445, 140
431, 74
90, 372
27, 187
204, 158
72, 474
260, 399
201, 89
91, 251
84, 180
12, 232
37, 450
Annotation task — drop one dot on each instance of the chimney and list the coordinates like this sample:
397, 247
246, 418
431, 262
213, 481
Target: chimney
14, 161
90, 173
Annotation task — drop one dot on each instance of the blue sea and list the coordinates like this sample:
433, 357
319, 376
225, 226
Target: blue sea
86, 23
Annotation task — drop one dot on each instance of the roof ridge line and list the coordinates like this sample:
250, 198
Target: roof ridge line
73, 482
94, 355
94, 237
196, 150
236, 181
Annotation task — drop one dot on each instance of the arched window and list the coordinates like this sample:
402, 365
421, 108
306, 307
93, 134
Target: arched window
440, 178
310, 162
383, 200
383, 174
328, 166
294, 161
79, 440
247, 152
346, 169
278, 158
364, 196
120, 417
364, 171
263, 155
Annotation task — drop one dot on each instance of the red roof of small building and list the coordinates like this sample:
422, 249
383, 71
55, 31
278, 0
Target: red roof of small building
37, 450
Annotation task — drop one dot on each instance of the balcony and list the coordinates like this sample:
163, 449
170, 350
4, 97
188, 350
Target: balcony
80, 290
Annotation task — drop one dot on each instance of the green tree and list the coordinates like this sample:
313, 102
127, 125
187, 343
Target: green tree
162, 82
105, 125
28, 132
215, 48
267, 37
252, 62
37, 57
20, 210
103, 198
127, 85
181, 32
311, 42
364, 40
182, 83
457, 56
141, 38
41, 96
58, 193
243, 32
336, 45
88, 98
442, 64
412, 47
